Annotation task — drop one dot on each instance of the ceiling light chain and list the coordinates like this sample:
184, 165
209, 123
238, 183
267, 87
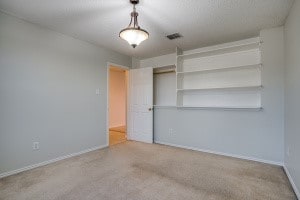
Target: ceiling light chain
134, 15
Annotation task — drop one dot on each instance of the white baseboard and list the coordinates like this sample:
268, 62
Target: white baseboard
292, 181
5, 174
223, 154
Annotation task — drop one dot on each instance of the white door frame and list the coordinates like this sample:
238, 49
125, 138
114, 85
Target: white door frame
107, 99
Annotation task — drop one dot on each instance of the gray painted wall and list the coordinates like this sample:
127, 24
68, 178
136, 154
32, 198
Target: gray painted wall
48, 85
47, 94
252, 134
292, 94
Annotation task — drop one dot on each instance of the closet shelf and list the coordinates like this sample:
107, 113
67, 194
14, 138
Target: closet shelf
259, 65
164, 69
221, 88
222, 50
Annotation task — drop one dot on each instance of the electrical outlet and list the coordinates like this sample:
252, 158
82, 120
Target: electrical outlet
170, 131
36, 146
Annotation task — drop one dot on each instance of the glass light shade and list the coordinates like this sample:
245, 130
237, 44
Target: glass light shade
134, 36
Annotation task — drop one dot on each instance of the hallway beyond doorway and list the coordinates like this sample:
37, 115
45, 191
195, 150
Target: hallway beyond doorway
117, 135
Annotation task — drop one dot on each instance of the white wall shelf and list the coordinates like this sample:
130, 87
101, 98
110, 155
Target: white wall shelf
222, 50
222, 88
240, 67
220, 108
226, 76
207, 108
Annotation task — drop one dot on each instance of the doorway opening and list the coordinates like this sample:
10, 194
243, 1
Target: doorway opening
117, 97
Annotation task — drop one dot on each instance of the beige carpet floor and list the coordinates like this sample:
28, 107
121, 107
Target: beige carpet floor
138, 171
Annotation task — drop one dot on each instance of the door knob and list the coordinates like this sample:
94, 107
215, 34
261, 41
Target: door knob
149, 109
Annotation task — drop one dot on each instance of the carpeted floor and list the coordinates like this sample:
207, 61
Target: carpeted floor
136, 171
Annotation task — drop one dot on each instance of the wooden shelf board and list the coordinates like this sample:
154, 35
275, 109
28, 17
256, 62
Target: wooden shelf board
222, 88
222, 69
220, 108
223, 50
207, 107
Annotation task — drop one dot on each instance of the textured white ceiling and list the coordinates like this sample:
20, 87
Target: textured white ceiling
201, 22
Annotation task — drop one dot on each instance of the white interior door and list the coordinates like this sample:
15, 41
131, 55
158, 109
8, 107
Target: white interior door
140, 119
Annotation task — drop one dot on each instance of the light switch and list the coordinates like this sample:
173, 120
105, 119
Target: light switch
98, 92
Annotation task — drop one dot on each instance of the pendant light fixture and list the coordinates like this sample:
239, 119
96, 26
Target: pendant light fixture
133, 34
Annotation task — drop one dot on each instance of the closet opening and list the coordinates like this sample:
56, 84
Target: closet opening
164, 86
